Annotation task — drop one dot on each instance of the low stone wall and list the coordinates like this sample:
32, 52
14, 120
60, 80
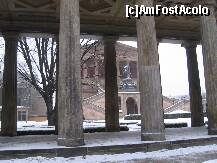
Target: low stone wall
166, 116
179, 115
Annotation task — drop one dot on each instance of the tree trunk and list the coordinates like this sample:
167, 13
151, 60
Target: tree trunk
52, 118
50, 111
55, 118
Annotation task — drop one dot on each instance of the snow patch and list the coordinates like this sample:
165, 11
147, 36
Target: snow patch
178, 112
211, 161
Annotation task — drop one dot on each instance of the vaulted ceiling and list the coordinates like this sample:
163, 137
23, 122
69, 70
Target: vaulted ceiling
99, 17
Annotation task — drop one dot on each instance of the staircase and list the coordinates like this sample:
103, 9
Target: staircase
95, 108
94, 98
168, 99
176, 106
90, 100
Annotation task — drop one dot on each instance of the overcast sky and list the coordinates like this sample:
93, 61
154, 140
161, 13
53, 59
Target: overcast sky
173, 65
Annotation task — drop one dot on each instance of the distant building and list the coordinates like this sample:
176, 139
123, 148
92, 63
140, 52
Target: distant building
129, 97
30, 104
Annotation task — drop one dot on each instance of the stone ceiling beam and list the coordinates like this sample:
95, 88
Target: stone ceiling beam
91, 29
111, 2
103, 21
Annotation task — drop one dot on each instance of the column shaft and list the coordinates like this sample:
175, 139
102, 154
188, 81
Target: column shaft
111, 87
149, 78
196, 106
209, 42
9, 93
70, 113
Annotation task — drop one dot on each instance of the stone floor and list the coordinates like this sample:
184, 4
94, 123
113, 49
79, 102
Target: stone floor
98, 139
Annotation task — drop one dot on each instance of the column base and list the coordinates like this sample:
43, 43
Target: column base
152, 136
212, 131
8, 134
112, 129
70, 142
197, 124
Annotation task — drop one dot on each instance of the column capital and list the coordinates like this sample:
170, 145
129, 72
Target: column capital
10, 34
110, 38
188, 44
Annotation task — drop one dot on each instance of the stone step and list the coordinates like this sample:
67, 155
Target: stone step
109, 149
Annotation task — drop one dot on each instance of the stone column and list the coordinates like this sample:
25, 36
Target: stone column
9, 93
197, 118
209, 42
111, 87
70, 113
151, 106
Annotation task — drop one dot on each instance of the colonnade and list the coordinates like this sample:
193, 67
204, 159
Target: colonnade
70, 114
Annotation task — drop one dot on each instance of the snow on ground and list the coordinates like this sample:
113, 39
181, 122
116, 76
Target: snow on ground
32, 125
178, 112
32, 145
162, 154
132, 124
211, 161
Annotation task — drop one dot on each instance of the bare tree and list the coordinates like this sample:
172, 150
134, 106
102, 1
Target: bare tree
2, 47
88, 50
40, 56
39, 68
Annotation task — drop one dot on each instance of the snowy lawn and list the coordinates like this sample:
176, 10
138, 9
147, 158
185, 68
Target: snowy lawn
178, 112
32, 125
132, 124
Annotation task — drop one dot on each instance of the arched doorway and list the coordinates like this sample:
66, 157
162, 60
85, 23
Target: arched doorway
132, 107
